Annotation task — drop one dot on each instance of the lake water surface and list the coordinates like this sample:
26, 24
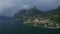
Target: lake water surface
14, 27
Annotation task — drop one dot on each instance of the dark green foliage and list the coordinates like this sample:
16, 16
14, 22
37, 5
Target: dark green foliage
57, 17
34, 12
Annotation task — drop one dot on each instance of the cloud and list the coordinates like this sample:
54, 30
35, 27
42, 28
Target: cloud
26, 6
10, 7
44, 4
4, 5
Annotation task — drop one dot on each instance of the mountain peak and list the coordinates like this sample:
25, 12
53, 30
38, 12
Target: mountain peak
28, 12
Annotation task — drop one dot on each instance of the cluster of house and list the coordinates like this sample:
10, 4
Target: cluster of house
38, 20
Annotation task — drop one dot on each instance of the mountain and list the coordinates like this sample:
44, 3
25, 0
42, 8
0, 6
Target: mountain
35, 17
28, 13
56, 15
4, 17
57, 11
32, 12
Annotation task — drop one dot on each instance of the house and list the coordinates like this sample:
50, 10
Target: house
41, 21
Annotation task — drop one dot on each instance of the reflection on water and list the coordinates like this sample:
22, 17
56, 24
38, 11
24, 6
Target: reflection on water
14, 27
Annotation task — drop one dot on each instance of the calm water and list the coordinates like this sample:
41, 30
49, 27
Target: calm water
14, 27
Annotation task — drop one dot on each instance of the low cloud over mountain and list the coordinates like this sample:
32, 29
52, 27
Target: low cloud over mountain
10, 7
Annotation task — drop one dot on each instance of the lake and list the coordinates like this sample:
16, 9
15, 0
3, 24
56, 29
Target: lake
16, 27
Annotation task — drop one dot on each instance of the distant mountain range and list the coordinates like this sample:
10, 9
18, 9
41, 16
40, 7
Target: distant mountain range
5, 20
4, 17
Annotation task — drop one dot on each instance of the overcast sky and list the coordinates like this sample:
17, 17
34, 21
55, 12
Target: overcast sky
10, 7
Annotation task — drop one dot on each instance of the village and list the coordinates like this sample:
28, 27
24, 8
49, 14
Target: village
41, 22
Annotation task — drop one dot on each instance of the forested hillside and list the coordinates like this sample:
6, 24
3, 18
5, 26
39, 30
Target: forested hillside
36, 17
